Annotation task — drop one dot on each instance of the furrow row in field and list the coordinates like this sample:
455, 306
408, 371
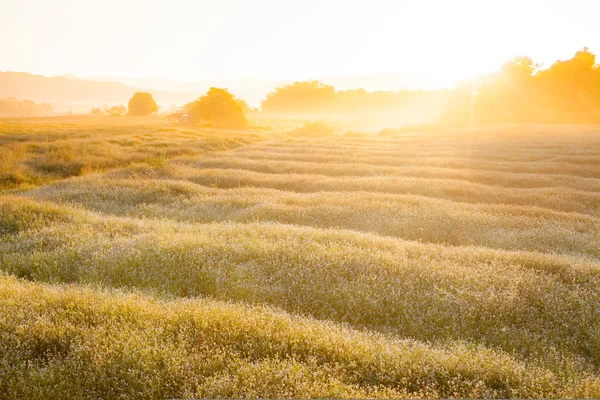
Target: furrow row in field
496, 152
455, 162
405, 216
546, 142
555, 198
354, 171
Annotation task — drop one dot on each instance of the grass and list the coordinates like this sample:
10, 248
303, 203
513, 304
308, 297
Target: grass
212, 196
39, 151
115, 345
437, 264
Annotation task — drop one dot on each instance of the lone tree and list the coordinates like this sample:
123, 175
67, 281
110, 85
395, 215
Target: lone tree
220, 107
141, 104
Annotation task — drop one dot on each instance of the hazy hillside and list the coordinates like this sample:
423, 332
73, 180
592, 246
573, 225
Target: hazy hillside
39, 88
252, 86
82, 94
254, 90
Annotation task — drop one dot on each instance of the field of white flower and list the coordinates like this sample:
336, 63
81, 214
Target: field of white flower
179, 264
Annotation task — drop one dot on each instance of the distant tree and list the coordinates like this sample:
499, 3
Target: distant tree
46, 107
244, 105
300, 97
30, 108
142, 104
220, 107
23, 108
96, 112
506, 95
317, 97
567, 91
519, 68
574, 84
188, 106
117, 111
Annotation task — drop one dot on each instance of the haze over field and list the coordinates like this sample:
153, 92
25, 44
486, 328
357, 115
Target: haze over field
252, 47
191, 41
82, 94
299, 199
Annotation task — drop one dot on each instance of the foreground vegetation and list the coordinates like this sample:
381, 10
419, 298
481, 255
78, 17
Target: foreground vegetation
451, 264
65, 342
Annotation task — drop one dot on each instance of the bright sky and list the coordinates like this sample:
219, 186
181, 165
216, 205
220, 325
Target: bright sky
193, 40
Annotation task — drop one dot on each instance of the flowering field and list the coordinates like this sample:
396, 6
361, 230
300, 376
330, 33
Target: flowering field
167, 263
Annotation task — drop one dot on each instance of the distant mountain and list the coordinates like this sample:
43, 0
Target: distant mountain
68, 89
170, 85
251, 89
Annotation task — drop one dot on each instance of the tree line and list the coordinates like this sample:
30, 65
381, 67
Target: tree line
314, 96
521, 91
12, 107
219, 108
568, 91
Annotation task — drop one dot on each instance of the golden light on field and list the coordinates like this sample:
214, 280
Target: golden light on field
146, 261
299, 199
434, 43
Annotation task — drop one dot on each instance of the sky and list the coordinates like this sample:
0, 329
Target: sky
193, 40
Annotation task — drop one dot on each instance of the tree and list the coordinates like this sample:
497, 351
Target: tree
567, 91
117, 111
142, 104
573, 84
46, 107
245, 107
305, 96
519, 68
30, 108
220, 107
316, 97
96, 112
25, 108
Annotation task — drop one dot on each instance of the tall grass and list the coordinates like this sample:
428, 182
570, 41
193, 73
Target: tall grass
62, 342
204, 263
34, 152
147, 193
522, 302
